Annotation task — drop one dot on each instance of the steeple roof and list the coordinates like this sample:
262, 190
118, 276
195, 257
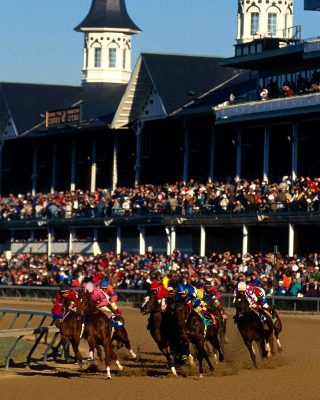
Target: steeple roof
108, 15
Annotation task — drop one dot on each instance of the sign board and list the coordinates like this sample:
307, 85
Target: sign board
67, 116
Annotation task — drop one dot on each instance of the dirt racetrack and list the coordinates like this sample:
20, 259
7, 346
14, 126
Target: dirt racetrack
293, 374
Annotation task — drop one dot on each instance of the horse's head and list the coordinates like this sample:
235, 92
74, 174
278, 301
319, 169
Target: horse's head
242, 304
182, 311
150, 304
83, 305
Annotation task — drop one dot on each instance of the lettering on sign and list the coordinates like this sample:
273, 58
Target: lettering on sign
67, 116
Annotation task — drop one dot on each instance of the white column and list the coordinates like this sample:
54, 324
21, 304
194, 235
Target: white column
173, 239
1, 151
50, 231
71, 237
115, 161
238, 172
73, 167
266, 153
186, 152
212, 140
244, 239
118, 241
294, 151
291, 240
93, 166
137, 167
96, 249
202, 241
168, 234
142, 239
35, 169
54, 163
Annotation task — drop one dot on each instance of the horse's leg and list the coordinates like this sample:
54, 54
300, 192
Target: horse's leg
276, 334
75, 346
165, 351
92, 344
214, 340
123, 337
251, 351
115, 357
107, 349
201, 352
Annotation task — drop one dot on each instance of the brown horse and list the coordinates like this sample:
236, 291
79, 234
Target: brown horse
98, 330
70, 331
192, 330
163, 328
252, 330
222, 324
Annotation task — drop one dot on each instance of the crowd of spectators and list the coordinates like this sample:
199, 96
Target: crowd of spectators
290, 88
230, 196
280, 275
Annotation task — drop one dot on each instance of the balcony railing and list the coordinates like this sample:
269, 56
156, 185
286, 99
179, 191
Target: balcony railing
246, 106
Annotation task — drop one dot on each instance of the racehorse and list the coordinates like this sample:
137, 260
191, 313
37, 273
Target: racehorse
220, 324
99, 331
251, 328
192, 330
70, 331
163, 328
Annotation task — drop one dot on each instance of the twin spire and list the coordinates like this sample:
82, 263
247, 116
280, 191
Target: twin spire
107, 50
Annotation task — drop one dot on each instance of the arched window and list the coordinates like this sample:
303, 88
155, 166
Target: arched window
124, 57
97, 54
254, 23
112, 54
97, 57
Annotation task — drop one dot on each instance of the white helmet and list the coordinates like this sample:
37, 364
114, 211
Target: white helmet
242, 287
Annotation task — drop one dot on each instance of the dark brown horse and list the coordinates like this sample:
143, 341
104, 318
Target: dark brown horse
70, 331
222, 325
163, 328
98, 330
192, 330
252, 330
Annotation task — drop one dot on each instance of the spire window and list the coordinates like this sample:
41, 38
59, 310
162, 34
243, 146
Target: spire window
112, 58
97, 57
254, 23
272, 23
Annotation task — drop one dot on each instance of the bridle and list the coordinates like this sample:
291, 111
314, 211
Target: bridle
244, 306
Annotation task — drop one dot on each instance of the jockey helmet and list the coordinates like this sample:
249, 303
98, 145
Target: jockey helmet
207, 284
64, 289
181, 289
89, 287
155, 286
242, 287
104, 284
170, 290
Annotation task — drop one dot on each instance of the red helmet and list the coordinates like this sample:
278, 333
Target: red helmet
155, 286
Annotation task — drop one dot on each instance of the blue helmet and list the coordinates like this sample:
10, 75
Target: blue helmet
181, 289
104, 284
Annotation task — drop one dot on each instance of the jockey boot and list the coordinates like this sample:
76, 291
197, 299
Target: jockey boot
57, 323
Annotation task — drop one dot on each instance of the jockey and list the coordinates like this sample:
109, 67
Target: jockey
161, 294
212, 293
101, 299
251, 297
65, 298
261, 296
111, 295
189, 292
